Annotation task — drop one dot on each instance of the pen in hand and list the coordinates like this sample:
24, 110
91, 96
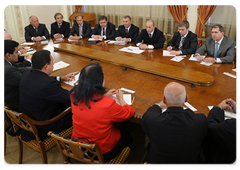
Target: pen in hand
232, 107
73, 74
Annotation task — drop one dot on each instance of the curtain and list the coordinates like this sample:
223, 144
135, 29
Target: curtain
179, 12
204, 12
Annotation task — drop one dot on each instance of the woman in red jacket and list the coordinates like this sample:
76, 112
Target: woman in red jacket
94, 113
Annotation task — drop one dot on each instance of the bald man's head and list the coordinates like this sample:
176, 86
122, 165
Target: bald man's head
175, 94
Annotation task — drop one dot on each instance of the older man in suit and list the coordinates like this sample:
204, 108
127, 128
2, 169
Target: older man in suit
176, 134
81, 28
104, 29
219, 48
60, 28
127, 32
42, 97
36, 31
184, 40
150, 38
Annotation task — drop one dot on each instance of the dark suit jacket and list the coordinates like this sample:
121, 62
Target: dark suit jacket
189, 44
133, 32
110, 32
64, 29
175, 135
86, 29
31, 32
42, 98
226, 51
157, 39
12, 76
221, 143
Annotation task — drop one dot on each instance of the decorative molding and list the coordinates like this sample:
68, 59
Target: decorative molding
19, 20
6, 26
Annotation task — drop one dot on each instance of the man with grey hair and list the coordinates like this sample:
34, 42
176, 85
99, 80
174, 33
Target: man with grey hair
35, 31
175, 135
219, 48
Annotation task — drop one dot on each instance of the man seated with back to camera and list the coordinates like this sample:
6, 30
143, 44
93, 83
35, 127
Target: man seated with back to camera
42, 97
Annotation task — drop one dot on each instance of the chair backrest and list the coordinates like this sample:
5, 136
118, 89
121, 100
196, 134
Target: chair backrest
21, 120
84, 152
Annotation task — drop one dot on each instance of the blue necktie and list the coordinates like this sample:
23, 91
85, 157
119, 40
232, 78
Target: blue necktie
216, 50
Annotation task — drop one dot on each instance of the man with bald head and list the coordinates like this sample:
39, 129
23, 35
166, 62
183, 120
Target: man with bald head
175, 135
150, 38
36, 31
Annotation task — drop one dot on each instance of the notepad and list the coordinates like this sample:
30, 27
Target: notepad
132, 49
126, 97
167, 53
73, 82
60, 65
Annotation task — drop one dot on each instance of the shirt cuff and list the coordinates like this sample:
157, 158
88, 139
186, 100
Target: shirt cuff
44, 37
150, 47
138, 44
58, 78
218, 60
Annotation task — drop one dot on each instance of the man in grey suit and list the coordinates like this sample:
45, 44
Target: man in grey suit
219, 48
81, 28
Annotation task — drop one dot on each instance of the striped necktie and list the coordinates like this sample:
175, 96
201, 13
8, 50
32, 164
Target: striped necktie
216, 50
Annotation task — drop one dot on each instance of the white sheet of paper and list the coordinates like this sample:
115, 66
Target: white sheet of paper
192, 58
226, 113
71, 40
126, 97
26, 43
73, 82
127, 90
190, 106
132, 49
177, 58
167, 53
59, 65
228, 74
205, 63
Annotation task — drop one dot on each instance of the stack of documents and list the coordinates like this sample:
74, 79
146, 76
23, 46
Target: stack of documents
132, 49
59, 65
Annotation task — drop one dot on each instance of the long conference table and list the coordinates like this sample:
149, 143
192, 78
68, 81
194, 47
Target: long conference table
147, 73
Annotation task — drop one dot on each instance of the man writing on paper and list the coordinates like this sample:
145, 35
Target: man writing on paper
42, 97
219, 48
60, 28
175, 135
36, 31
104, 29
151, 35
220, 143
127, 32
81, 28
25, 60
184, 40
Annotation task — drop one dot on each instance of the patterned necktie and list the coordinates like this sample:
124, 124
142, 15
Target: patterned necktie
126, 32
216, 50
150, 36
80, 30
181, 42
36, 30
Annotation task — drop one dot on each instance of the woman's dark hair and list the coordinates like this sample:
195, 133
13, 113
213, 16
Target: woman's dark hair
90, 85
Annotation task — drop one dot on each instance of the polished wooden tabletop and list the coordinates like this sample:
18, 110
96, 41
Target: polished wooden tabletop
148, 87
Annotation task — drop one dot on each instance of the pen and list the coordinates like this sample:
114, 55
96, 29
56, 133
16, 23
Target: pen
232, 107
73, 74
133, 99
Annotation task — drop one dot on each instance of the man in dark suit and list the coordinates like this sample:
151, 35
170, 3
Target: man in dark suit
127, 32
36, 31
21, 50
219, 48
184, 40
42, 97
60, 28
175, 135
150, 38
81, 28
220, 144
12, 72
103, 30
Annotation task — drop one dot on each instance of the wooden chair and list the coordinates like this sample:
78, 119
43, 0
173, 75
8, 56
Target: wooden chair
21, 120
85, 152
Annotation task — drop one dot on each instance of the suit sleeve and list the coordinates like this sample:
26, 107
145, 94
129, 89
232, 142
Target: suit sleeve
160, 42
203, 49
139, 38
52, 30
220, 129
230, 54
46, 33
112, 32
27, 34
95, 30
118, 33
67, 30
73, 31
135, 34
193, 45
88, 31
172, 42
